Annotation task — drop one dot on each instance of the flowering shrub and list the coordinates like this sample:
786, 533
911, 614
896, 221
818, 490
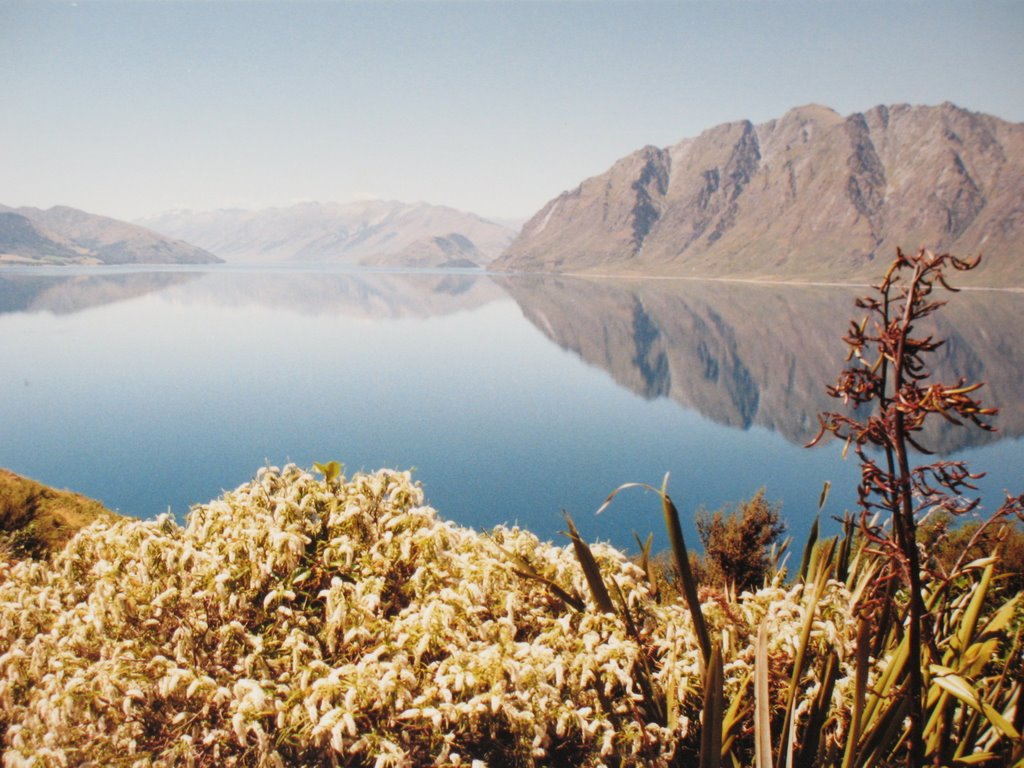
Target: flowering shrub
303, 622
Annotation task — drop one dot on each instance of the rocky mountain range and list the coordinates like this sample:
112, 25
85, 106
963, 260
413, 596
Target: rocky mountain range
62, 235
376, 232
810, 196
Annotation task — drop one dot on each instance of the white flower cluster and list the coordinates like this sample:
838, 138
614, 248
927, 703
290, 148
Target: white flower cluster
307, 622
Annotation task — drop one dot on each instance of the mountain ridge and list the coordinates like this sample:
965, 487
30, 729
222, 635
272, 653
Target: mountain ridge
378, 232
811, 195
65, 235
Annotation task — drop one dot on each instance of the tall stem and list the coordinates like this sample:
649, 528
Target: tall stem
906, 525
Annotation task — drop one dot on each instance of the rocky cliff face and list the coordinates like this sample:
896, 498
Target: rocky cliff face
62, 235
810, 196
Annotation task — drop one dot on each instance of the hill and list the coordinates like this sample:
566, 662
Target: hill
62, 235
449, 251
22, 240
809, 196
36, 520
304, 622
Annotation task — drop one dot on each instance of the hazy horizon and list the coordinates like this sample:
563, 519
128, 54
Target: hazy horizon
133, 109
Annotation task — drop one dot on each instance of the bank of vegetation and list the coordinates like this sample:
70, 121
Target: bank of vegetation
36, 520
313, 619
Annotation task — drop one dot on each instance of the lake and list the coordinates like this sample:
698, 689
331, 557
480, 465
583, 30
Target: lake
511, 398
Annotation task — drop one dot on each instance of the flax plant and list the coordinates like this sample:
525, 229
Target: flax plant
921, 678
808, 668
890, 386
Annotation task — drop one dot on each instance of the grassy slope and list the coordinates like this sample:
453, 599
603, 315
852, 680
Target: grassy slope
36, 520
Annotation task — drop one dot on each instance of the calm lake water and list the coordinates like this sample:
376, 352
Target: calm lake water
510, 398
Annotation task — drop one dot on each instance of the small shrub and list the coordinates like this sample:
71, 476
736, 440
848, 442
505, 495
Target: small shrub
950, 546
737, 542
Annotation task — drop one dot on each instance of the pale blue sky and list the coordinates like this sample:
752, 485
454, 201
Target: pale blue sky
128, 109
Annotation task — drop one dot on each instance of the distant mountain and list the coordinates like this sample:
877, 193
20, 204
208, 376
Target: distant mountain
449, 251
62, 235
384, 233
810, 196
22, 240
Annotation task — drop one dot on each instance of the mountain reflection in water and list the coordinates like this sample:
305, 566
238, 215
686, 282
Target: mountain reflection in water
62, 295
512, 396
366, 294
748, 354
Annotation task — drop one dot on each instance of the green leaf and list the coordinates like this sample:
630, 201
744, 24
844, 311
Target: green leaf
523, 568
647, 564
974, 759
714, 706
787, 737
965, 633
974, 659
812, 539
1002, 618
590, 568
672, 692
860, 686
964, 691
331, 470
996, 718
818, 713
762, 702
681, 557
735, 722
824, 494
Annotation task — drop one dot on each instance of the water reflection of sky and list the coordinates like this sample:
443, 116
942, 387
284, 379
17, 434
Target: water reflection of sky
155, 395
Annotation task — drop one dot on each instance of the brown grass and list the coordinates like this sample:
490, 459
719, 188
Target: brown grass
36, 521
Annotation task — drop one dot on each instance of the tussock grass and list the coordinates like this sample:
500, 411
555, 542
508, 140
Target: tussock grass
36, 520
